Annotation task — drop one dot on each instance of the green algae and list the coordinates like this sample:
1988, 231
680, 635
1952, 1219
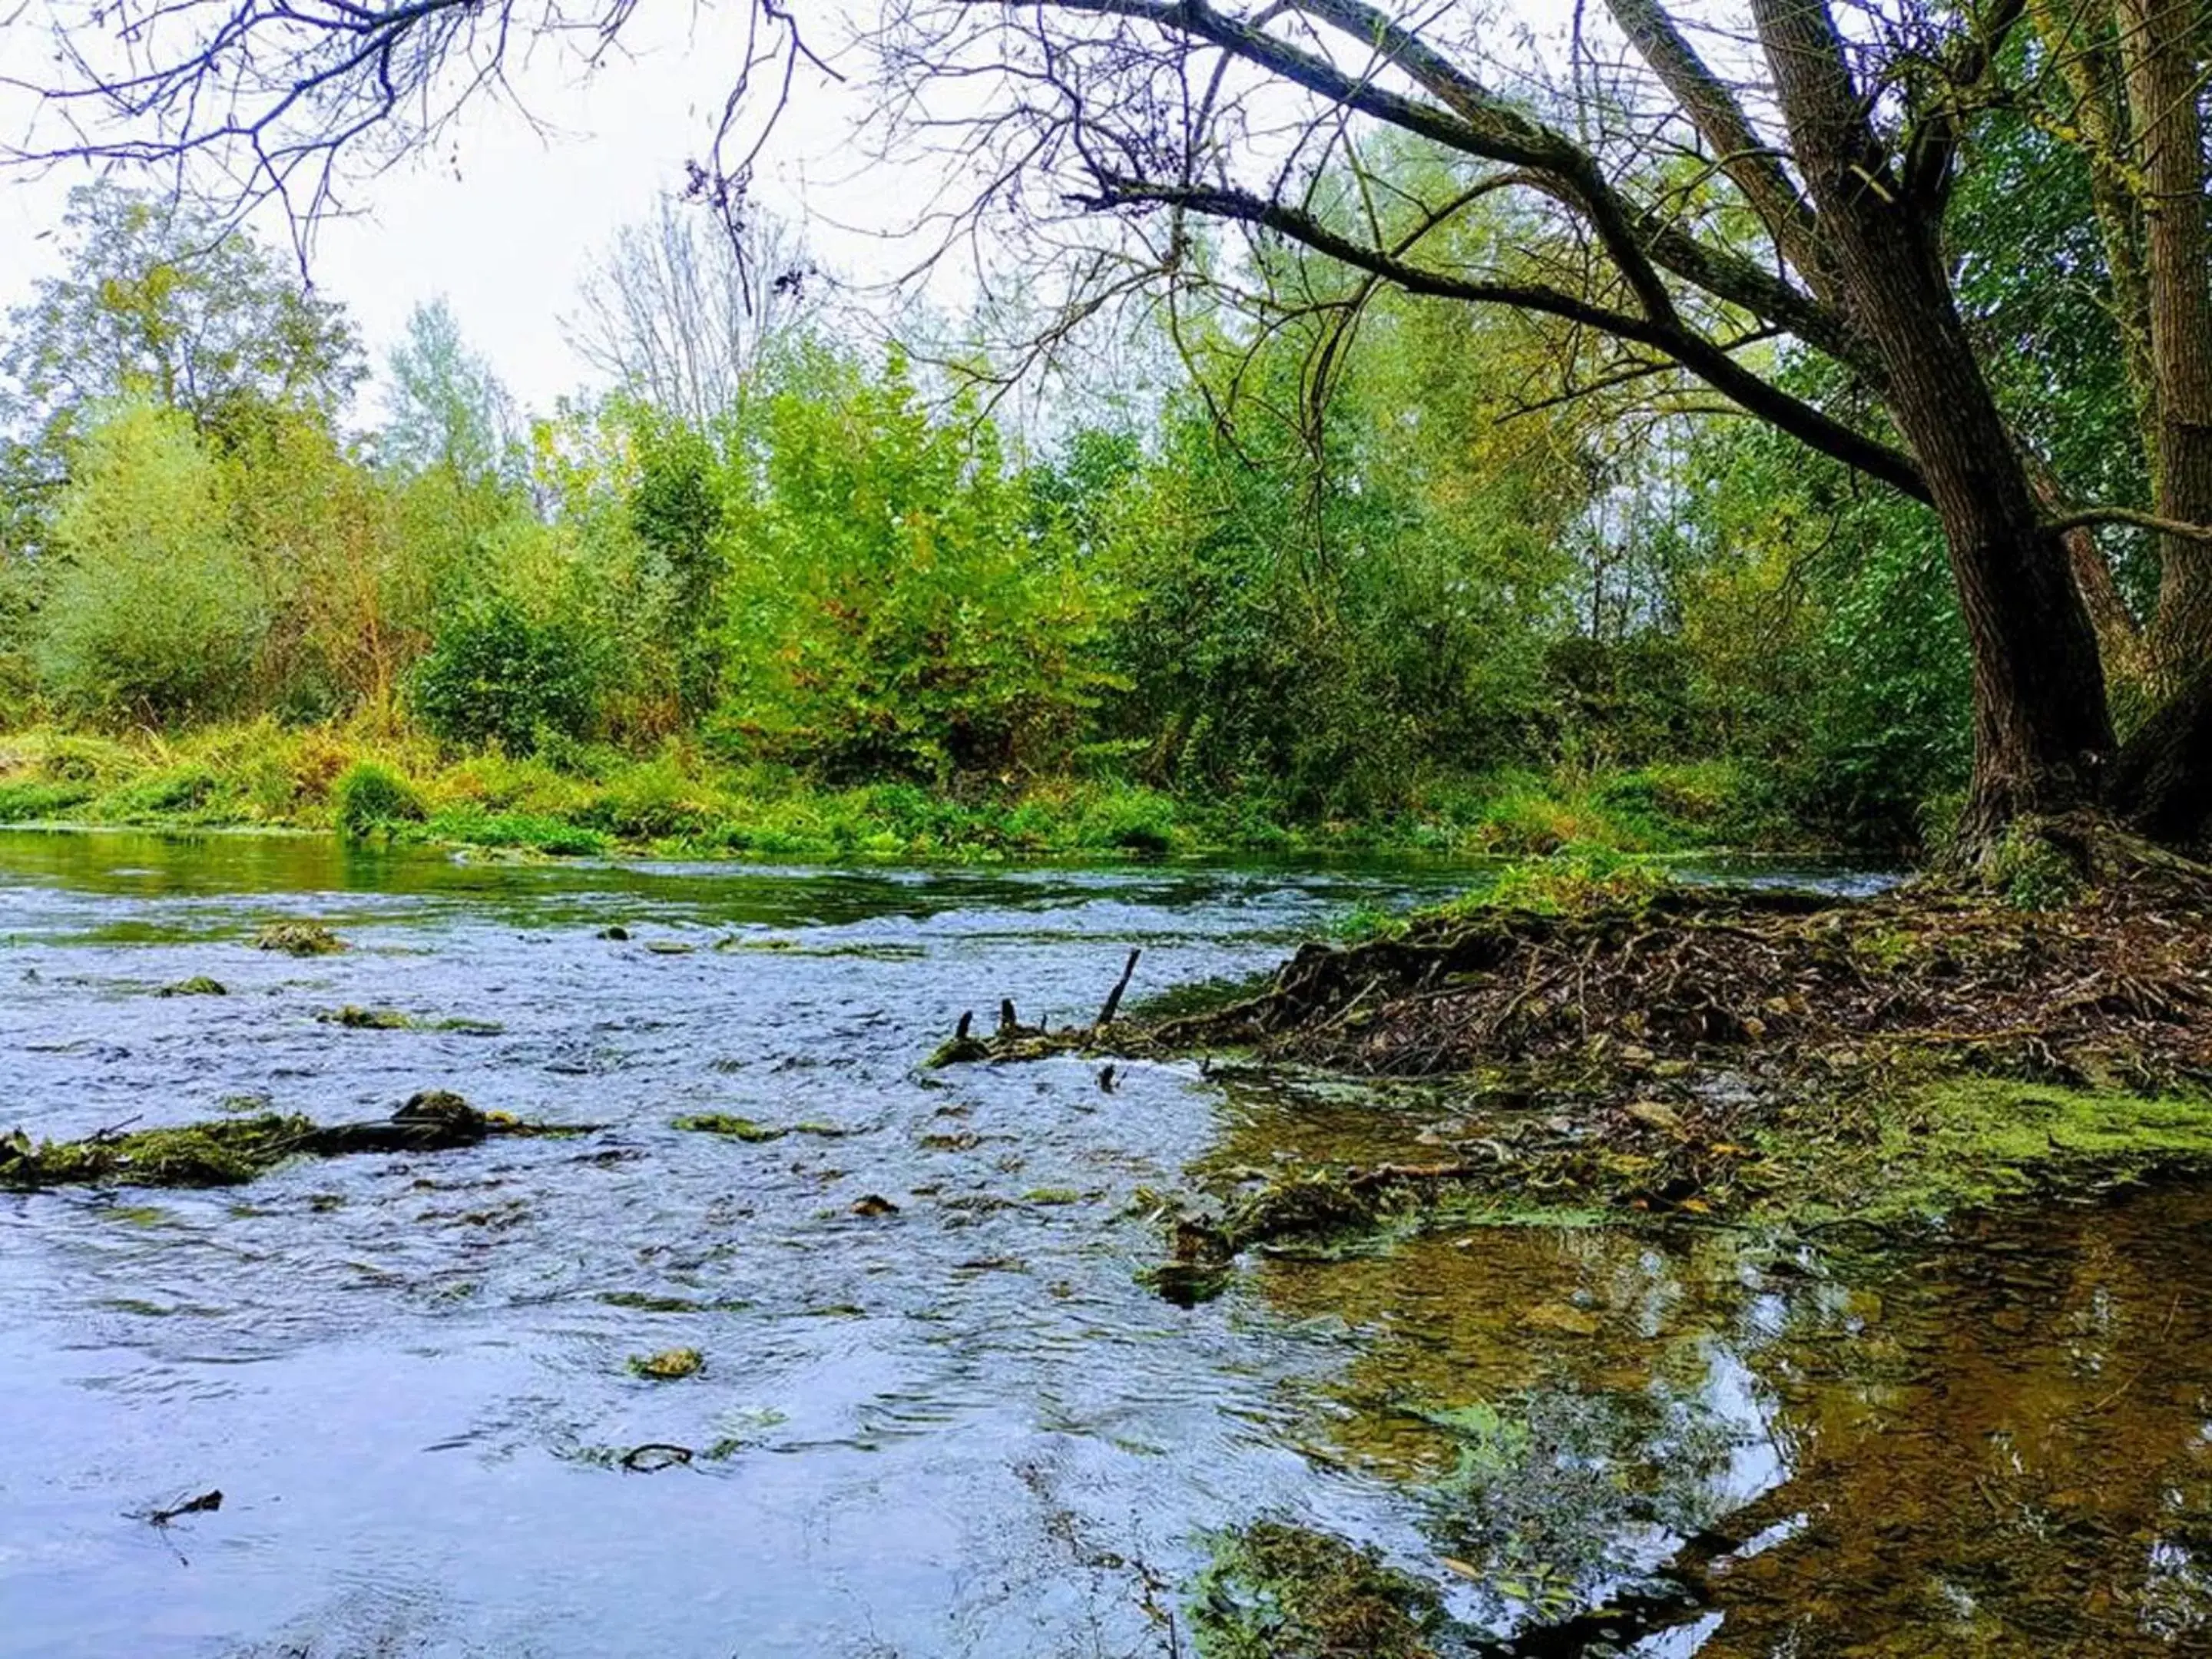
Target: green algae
1274, 1590
1952, 1144
744, 1128
1906, 1153
393, 1019
869, 950
727, 1124
650, 1302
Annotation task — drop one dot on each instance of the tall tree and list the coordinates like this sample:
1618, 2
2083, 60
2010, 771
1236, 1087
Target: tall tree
160, 299
444, 406
683, 309
2129, 87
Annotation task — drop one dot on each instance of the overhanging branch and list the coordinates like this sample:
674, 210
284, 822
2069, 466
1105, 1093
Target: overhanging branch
1702, 357
2089, 518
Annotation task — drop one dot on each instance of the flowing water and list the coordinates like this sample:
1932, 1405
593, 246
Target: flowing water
959, 1425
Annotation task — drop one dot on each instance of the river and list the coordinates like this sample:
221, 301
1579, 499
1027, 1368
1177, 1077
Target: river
953, 1421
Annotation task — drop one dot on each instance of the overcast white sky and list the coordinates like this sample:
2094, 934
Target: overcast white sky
507, 220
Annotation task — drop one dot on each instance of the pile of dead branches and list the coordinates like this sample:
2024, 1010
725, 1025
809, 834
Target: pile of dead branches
2099, 988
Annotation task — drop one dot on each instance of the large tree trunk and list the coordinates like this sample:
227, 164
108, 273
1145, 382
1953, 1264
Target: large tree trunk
2162, 782
2043, 734
2160, 56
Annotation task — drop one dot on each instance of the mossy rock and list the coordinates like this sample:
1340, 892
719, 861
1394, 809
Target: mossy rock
367, 1019
299, 938
226, 1153
199, 985
669, 1365
232, 1151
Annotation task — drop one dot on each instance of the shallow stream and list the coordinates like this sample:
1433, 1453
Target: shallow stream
958, 1425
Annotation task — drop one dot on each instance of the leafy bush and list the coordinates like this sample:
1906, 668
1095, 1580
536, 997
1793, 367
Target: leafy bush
906, 608
497, 674
1574, 882
368, 797
1133, 820
154, 613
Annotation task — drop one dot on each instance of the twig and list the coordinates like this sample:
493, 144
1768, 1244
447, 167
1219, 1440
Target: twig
1114, 998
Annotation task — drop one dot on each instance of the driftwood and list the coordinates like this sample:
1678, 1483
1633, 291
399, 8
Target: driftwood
1121, 986
1015, 1041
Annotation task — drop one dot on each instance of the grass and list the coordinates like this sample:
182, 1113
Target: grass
373, 783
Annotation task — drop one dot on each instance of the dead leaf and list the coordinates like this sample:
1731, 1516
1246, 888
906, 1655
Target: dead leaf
1656, 1115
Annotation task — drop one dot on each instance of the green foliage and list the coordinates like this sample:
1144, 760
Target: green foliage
2032, 871
19, 586
1574, 882
676, 510
160, 299
478, 827
497, 674
903, 608
30, 801
1824, 637
1341, 586
153, 612
369, 798
445, 411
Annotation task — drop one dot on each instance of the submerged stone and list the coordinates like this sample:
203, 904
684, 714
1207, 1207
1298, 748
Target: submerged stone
300, 939
199, 985
669, 1364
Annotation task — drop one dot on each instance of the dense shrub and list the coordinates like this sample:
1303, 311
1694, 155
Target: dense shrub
153, 612
496, 674
367, 798
904, 608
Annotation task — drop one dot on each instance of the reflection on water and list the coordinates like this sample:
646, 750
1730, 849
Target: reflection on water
960, 1427
2001, 1444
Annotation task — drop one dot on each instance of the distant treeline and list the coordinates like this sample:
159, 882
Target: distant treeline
1333, 592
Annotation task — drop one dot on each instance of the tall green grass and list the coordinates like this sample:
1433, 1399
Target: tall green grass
367, 780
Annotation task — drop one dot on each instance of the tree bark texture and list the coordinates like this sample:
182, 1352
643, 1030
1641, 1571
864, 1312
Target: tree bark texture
2043, 734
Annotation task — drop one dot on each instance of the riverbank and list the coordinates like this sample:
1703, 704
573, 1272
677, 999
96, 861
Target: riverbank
1592, 1042
681, 802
